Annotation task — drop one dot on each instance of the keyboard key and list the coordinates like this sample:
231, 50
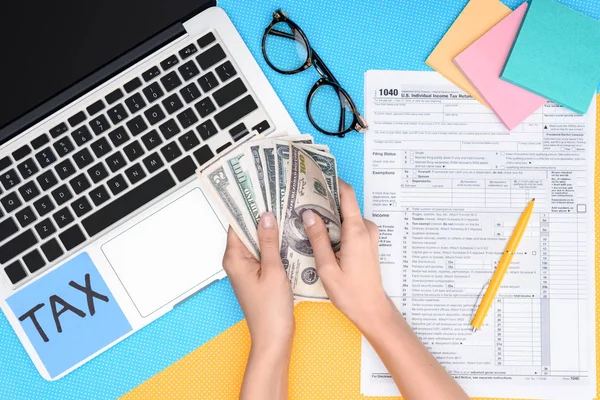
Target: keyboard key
9, 179
235, 112
170, 151
95, 108
225, 71
118, 136
172, 103
223, 148
115, 161
17, 245
210, 57
83, 158
208, 82
81, 206
43, 206
133, 151
154, 114
153, 162
151, 140
61, 195
63, 217
135, 174
189, 140
205, 107
170, 81
10, 202
47, 180
72, 237
34, 261
45, 157
21, 152
79, 183
117, 184
239, 131
151, 73
132, 85
190, 92
45, 228
65, 169
5, 163
188, 70
27, 168
58, 130
153, 92
99, 195
7, 229
99, 124
184, 168
101, 147
137, 125
77, 119
97, 172
15, 272
187, 51
81, 135
169, 62
261, 126
64, 146
114, 96
52, 250
117, 114
29, 191
169, 129
204, 154
229, 92
135, 103
129, 202
39, 141
25, 216
206, 40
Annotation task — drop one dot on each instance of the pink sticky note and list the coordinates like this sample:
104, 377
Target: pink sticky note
482, 63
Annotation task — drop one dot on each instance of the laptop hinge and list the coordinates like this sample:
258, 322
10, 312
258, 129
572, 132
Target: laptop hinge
91, 81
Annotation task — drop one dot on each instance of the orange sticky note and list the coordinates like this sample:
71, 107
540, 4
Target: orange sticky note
476, 18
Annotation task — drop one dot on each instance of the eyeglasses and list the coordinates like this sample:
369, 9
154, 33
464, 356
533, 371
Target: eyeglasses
286, 49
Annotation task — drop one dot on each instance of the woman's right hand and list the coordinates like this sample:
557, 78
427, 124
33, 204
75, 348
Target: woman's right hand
352, 276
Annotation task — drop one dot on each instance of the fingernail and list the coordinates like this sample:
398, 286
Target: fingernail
267, 220
308, 217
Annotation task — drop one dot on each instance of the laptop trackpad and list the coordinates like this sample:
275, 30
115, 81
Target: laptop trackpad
168, 253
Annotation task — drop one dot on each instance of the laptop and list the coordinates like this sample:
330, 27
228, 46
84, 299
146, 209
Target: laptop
108, 110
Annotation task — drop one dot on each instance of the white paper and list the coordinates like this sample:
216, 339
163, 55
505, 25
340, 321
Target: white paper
446, 182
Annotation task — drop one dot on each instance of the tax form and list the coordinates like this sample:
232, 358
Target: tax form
446, 183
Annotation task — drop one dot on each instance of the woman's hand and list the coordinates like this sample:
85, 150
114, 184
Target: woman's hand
352, 276
262, 288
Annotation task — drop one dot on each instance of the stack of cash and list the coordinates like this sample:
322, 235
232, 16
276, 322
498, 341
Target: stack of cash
285, 175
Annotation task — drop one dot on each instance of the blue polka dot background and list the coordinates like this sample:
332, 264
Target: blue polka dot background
352, 36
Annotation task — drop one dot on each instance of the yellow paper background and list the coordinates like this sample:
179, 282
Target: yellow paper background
325, 359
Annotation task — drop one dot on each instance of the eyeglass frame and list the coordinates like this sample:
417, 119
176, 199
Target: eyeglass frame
358, 124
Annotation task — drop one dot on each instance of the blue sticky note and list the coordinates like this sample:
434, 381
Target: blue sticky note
69, 314
556, 55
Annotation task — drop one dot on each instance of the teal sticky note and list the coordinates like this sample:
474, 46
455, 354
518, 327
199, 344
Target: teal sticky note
69, 314
556, 55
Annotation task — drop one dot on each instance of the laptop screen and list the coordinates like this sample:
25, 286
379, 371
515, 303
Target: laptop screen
47, 46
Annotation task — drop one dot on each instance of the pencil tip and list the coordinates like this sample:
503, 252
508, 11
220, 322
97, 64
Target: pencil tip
474, 329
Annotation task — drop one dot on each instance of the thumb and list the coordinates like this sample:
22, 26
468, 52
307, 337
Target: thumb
268, 240
321, 244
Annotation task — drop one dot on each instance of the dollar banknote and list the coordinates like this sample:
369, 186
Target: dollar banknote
328, 166
307, 189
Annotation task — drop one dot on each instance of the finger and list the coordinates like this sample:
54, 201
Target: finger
349, 205
268, 240
236, 253
325, 259
373, 230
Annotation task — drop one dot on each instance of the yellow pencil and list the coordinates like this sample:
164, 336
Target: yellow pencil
505, 260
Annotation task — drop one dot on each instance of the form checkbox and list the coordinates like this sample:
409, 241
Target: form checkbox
581, 208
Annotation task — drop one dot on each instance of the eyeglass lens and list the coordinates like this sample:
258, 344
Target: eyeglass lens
326, 109
285, 47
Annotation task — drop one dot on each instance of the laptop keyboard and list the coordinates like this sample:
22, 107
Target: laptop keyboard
146, 136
